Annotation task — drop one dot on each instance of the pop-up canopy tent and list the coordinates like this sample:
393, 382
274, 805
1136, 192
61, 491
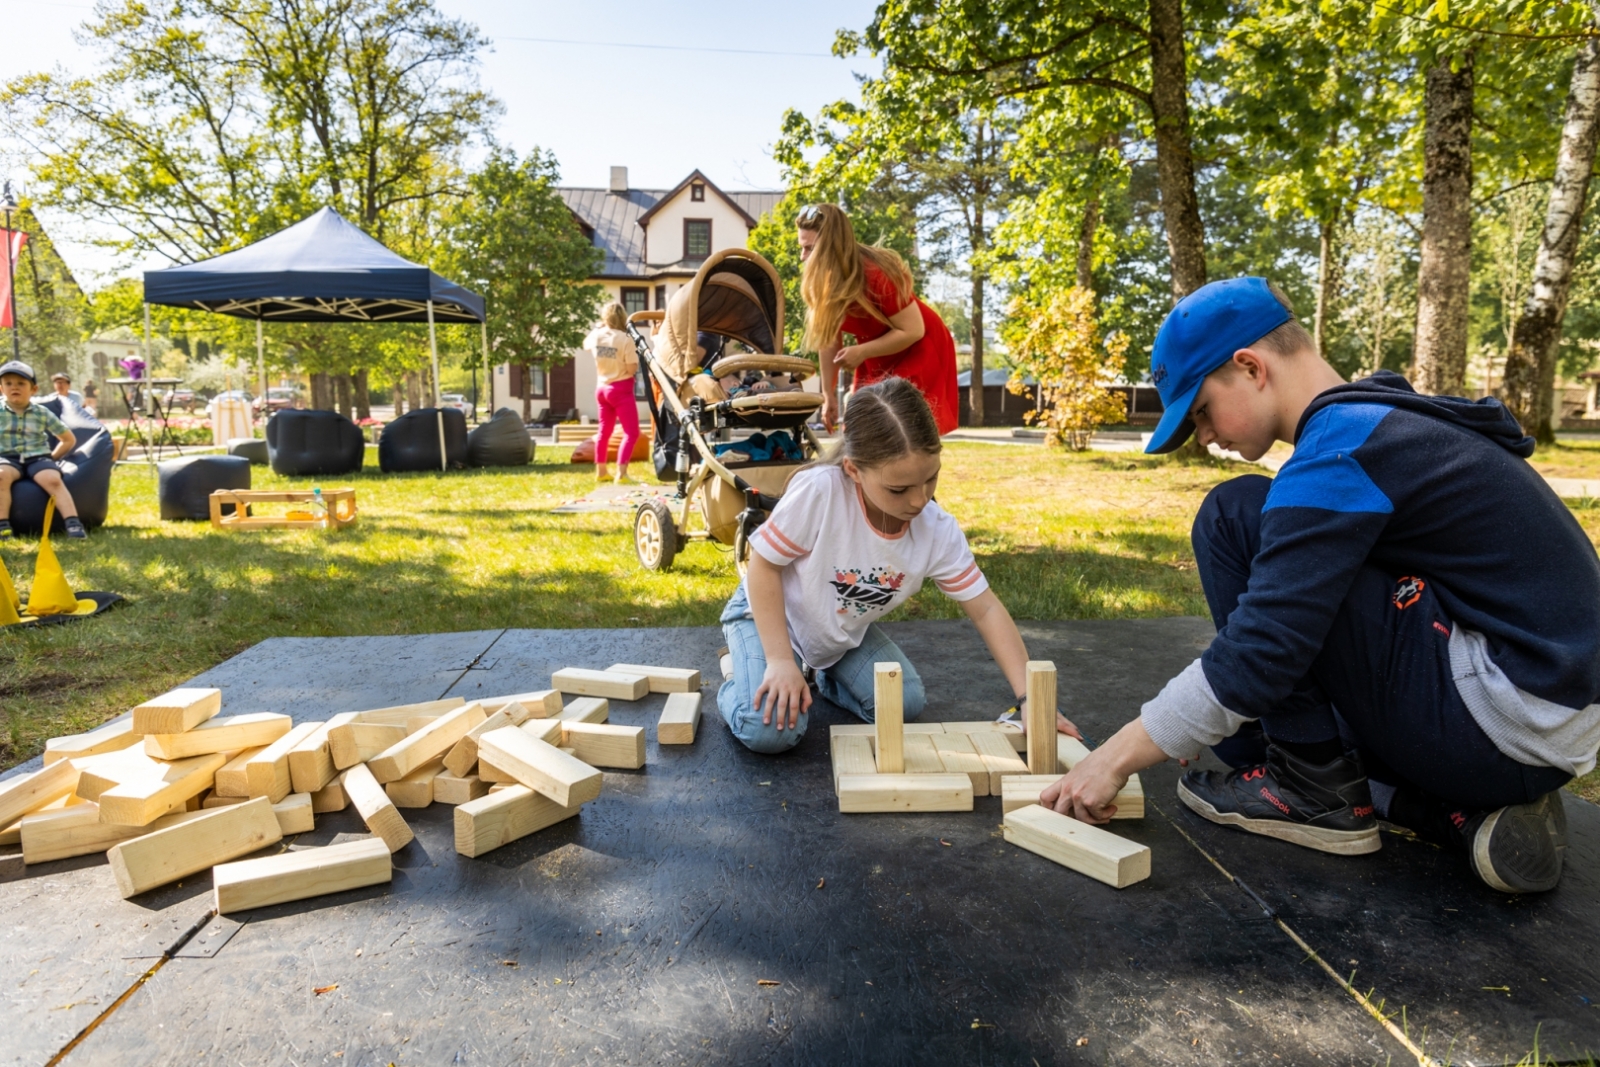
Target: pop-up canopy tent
321, 269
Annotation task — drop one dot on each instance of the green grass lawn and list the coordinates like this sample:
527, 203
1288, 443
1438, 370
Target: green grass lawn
1060, 536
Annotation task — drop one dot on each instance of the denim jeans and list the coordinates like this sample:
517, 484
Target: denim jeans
848, 683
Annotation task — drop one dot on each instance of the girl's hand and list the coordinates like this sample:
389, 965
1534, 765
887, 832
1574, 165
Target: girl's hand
850, 356
783, 693
1064, 726
830, 412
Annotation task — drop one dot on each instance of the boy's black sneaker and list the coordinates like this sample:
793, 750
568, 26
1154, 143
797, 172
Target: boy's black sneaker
1327, 807
1518, 849
75, 528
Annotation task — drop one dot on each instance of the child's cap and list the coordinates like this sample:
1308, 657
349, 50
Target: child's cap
60, 376
1199, 335
19, 368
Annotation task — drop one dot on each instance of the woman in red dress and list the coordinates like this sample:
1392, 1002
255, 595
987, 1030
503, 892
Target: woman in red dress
866, 290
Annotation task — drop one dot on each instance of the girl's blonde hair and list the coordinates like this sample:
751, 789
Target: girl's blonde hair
834, 276
885, 422
615, 316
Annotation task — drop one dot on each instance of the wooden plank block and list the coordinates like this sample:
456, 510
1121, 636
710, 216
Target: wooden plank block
30, 792
852, 754
143, 801
541, 703
375, 808
213, 837
96, 774
297, 875
998, 755
1041, 717
330, 797
433, 740
918, 755
177, 711
662, 679
547, 730
356, 742
1013, 735
959, 757
216, 800
464, 753
111, 737
905, 792
1020, 790
417, 722
582, 682
294, 814
491, 775
227, 734
605, 745
870, 730
452, 789
415, 790
1069, 750
397, 715
77, 831
586, 709
501, 817
310, 762
540, 766
680, 718
889, 716
1078, 846
232, 780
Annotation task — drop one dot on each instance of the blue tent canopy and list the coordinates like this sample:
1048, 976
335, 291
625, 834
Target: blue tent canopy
321, 269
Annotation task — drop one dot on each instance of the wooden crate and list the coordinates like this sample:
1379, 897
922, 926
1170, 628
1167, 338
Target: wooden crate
339, 505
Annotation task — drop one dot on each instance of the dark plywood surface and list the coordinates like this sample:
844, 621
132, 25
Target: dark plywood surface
638, 932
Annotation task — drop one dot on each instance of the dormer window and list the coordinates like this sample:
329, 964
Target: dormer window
697, 192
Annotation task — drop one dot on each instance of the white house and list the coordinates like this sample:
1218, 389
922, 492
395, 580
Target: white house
654, 240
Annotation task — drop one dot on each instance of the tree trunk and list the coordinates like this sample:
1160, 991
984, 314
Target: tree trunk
1086, 232
1169, 104
1529, 378
527, 394
321, 394
976, 388
1444, 273
363, 396
341, 386
399, 392
413, 390
1325, 285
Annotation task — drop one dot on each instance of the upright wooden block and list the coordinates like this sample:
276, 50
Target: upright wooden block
213, 837
1020, 790
1041, 717
294, 814
1013, 734
227, 734
232, 778
541, 766
415, 790
111, 737
63, 833
433, 740
143, 801
463, 754
450, 789
108, 770
177, 711
581, 682
852, 754
889, 717
586, 709
330, 797
515, 811
356, 742
375, 808
680, 718
959, 757
397, 715
297, 875
311, 762
1069, 750
904, 792
541, 703
1086, 849
662, 679
604, 745
998, 755
919, 755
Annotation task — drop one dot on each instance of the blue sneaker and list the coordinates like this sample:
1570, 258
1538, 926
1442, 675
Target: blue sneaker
75, 529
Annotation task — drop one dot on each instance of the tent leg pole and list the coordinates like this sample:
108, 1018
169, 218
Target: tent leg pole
433, 351
488, 371
261, 366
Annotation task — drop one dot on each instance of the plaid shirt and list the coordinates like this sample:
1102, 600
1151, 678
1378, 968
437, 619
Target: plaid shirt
25, 434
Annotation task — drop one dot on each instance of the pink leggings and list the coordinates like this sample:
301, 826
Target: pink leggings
616, 405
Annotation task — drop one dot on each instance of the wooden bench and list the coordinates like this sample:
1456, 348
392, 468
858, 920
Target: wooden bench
338, 509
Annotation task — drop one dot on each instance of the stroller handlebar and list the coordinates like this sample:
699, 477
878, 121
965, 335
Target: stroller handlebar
646, 316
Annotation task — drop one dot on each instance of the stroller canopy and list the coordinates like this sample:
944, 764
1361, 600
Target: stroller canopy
735, 294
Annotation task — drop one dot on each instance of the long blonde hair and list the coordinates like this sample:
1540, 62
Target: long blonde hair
835, 276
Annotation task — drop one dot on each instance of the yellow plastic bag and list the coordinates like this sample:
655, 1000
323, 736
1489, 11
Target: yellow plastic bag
50, 594
9, 601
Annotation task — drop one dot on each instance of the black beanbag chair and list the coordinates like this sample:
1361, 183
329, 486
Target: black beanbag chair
501, 442
253, 449
86, 470
411, 442
184, 485
314, 442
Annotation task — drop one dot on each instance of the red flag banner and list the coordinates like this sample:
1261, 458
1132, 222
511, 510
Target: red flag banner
14, 240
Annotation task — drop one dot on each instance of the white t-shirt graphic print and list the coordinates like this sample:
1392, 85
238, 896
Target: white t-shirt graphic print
840, 574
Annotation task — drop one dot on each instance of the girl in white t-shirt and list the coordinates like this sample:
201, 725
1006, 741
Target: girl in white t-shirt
851, 540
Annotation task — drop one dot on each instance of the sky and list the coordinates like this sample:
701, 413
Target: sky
661, 87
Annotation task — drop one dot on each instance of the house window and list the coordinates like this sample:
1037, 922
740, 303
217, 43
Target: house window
696, 238
661, 298
536, 383
697, 192
635, 300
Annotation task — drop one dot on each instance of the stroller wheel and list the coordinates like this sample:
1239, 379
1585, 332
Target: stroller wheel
655, 536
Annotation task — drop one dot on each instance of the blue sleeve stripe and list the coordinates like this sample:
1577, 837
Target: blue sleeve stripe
1323, 473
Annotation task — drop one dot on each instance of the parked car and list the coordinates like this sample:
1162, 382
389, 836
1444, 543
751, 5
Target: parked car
180, 398
231, 394
459, 402
278, 398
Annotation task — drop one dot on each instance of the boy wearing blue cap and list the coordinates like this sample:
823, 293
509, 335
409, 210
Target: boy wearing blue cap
1406, 600
25, 452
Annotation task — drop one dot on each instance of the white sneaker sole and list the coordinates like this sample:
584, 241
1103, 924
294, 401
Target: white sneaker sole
1338, 842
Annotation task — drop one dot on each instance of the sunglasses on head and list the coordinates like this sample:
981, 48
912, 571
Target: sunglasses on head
810, 213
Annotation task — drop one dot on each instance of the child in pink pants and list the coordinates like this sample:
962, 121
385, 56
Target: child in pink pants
615, 361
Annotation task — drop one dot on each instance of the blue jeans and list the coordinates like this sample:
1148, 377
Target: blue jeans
848, 683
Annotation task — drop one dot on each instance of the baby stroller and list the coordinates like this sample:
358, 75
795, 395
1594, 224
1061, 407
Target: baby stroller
735, 296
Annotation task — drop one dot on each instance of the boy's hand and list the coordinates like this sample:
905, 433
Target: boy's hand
783, 693
1087, 791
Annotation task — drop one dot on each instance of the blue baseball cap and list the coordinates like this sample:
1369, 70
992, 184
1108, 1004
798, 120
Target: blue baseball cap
1199, 335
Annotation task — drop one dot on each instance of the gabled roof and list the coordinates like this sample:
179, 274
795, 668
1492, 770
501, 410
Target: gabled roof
696, 176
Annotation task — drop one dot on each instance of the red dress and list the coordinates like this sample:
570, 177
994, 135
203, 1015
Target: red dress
929, 364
